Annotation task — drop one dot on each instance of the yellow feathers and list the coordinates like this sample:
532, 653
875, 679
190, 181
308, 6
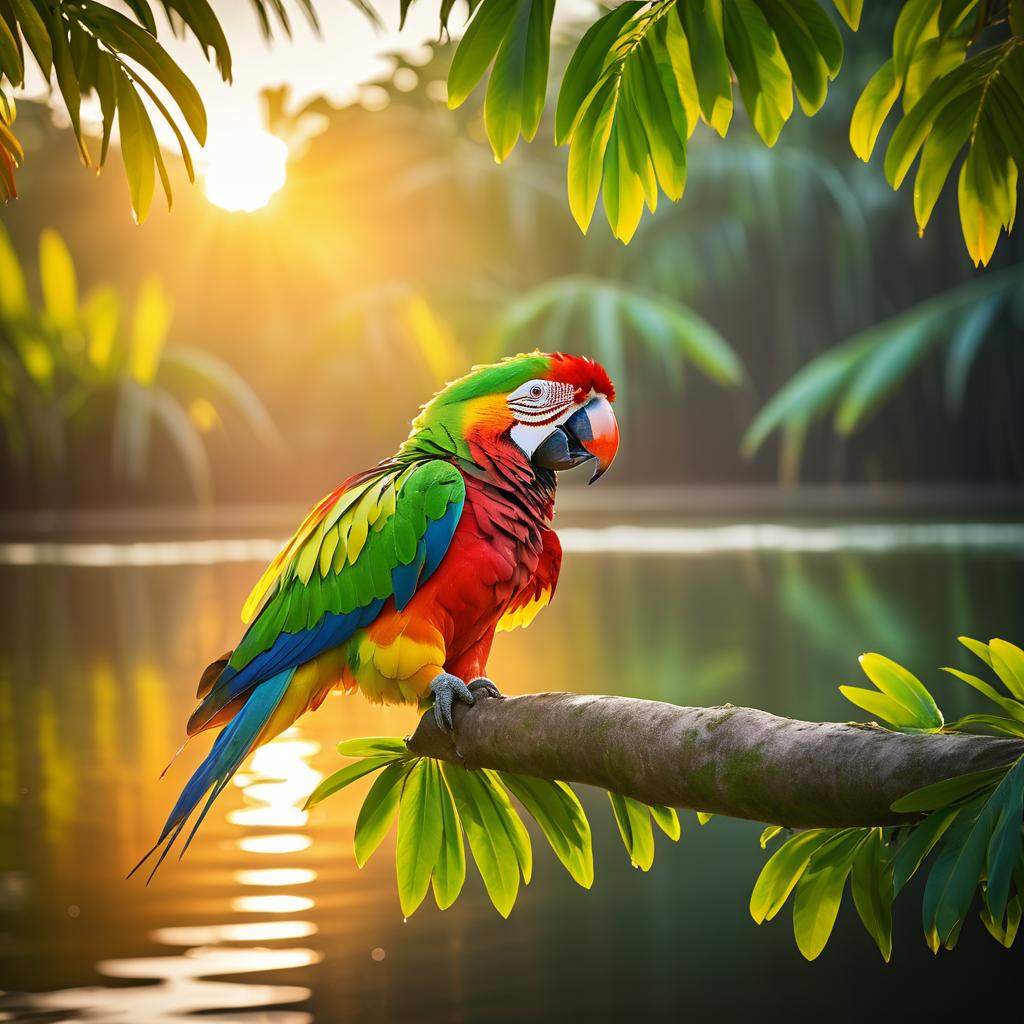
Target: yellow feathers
522, 614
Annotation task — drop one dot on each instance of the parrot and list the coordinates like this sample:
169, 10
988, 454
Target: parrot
396, 582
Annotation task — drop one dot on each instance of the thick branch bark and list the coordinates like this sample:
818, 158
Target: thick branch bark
738, 762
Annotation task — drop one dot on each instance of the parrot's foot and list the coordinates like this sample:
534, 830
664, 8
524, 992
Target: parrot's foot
447, 688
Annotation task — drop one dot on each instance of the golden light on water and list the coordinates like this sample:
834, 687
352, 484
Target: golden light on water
243, 168
285, 842
271, 904
275, 876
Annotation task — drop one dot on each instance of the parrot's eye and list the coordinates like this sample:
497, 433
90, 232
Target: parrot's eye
541, 401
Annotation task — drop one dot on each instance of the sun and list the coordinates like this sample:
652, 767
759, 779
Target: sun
243, 168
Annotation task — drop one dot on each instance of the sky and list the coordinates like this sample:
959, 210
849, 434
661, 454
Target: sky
349, 51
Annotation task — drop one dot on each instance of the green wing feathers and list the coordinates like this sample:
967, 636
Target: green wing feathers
375, 539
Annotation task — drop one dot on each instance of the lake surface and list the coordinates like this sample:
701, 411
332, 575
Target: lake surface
267, 917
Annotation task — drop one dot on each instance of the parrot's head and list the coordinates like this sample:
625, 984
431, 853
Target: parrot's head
548, 412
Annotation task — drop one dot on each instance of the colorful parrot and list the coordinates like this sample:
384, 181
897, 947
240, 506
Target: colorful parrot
396, 582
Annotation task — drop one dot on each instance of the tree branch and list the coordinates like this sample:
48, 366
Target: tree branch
726, 760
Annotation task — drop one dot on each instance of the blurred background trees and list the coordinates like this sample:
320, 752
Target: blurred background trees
398, 252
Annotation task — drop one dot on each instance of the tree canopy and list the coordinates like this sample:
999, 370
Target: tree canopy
640, 79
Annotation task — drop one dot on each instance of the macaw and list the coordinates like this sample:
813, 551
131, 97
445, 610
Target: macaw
396, 582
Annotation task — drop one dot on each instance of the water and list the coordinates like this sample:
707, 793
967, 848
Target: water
267, 917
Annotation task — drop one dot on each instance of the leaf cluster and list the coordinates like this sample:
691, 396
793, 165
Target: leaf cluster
89, 48
972, 824
74, 364
856, 378
440, 806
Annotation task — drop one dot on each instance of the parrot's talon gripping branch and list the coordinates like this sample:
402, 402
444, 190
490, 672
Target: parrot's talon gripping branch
485, 686
446, 689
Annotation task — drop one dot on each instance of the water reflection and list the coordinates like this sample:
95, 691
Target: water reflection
97, 672
273, 789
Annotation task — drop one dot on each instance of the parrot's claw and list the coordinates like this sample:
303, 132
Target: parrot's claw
483, 684
447, 688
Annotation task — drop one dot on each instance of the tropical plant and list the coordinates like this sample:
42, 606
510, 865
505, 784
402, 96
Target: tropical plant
640, 79
858, 376
646, 72
72, 371
89, 47
973, 823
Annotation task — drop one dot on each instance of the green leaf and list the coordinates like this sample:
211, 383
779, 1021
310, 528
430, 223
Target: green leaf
1008, 664
987, 191
1006, 726
587, 152
101, 316
872, 109
949, 135
379, 810
881, 706
634, 821
558, 812
769, 833
918, 20
783, 870
883, 369
668, 821
820, 891
763, 75
372, 746
933, 58
968, 337
922, 839
11, 64
703, 818
478, 47
67, 80
803, 29
585, 67
489, 841
137, 146
519, 79
808, 391
622, 188
958, 868
151, 320
450, 870
13, 293
420, 830
871, 885
702, 24
904, 687
850, 11
513, 824
1004, 848
661, 117
345, 777
675, 66
33, 28
135, 42
949, 791
58, 281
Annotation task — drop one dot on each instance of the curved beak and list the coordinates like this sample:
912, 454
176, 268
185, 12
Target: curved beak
589, 434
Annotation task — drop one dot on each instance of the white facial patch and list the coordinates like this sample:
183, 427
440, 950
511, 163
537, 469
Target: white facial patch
539, 406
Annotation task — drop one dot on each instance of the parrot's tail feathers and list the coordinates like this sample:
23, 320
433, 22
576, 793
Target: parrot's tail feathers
211, 674
175, 757
230, 749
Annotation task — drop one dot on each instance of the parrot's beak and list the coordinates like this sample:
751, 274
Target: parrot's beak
589, 434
